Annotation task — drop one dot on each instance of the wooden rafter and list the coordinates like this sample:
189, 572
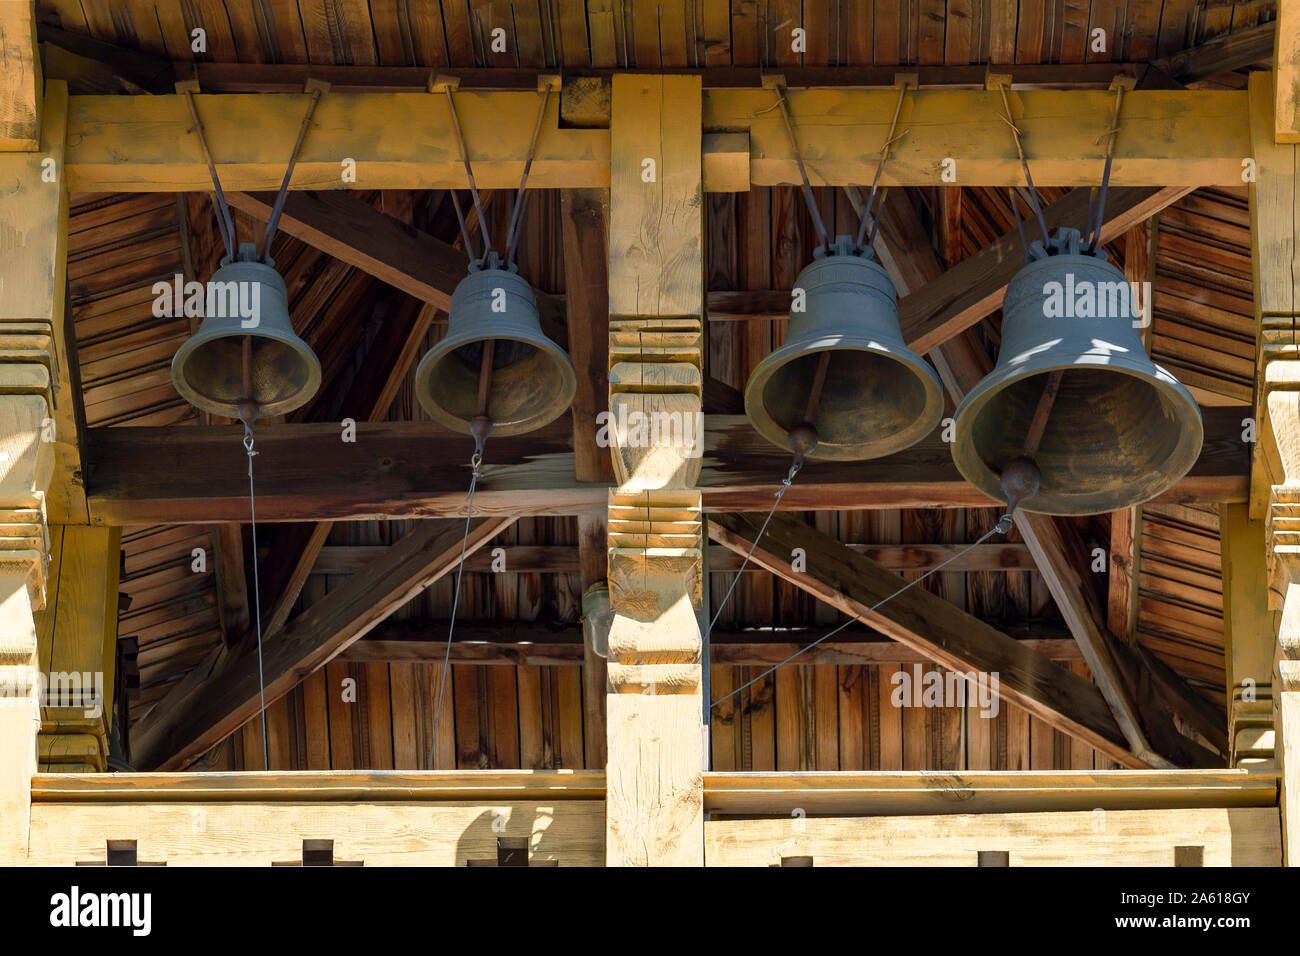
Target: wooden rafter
223, 691
950, 637
956, 299
141, 143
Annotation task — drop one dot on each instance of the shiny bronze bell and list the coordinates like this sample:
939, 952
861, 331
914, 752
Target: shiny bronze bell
844, 368
532, 380
246, 352
1075, 393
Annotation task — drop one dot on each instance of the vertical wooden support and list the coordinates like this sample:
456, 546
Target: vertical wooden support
1248, 633
77, 640
33, 220
654, 804
1275, 465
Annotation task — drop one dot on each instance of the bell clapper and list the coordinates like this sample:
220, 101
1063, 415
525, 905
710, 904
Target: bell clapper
480, 426
803, 437
1021, 478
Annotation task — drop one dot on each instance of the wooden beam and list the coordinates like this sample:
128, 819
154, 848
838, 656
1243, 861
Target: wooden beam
988, 791
542, 645
852, 584
143, 475
143, 143
77, 634
222, 692
335, 786
146, 144
89, 65
22, 88
586, 284
565, 559
33, 276
1249, 639
1201, 134
353, 231
1233, 51
1286, 75
1233, 836
290, 77
593, 566
246, 831
654, 710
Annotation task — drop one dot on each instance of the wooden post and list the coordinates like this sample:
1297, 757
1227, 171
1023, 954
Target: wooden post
77, 640
33, 217
1276, 462
654, 808
1249, 636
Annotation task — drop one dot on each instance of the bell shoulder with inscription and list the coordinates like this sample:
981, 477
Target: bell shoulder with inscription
1121, 429
532, 381
246, 298
871, 394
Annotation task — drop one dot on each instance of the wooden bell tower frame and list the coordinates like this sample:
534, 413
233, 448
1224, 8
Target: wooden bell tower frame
635, 196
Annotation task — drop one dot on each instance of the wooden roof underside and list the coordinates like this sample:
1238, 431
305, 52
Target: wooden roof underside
120, 244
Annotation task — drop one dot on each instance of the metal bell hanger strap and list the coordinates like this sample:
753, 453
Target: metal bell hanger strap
246, 361
1075, 394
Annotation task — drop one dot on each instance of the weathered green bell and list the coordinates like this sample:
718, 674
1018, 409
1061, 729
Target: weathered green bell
1111, 428
245, 351
844, 368
532, 380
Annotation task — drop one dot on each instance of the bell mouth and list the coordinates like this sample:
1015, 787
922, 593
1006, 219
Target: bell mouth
1115, 437
876, 399
533, 383
209, 374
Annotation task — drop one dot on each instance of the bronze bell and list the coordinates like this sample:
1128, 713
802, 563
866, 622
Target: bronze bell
532, 380
1075, 393
844, 368
246, 351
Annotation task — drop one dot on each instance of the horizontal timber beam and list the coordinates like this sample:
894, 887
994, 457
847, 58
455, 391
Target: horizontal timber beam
405, 140
145, 475
1166, 138
530, 643
394, 141
290, 77
479, 786
564, 559
985, 791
